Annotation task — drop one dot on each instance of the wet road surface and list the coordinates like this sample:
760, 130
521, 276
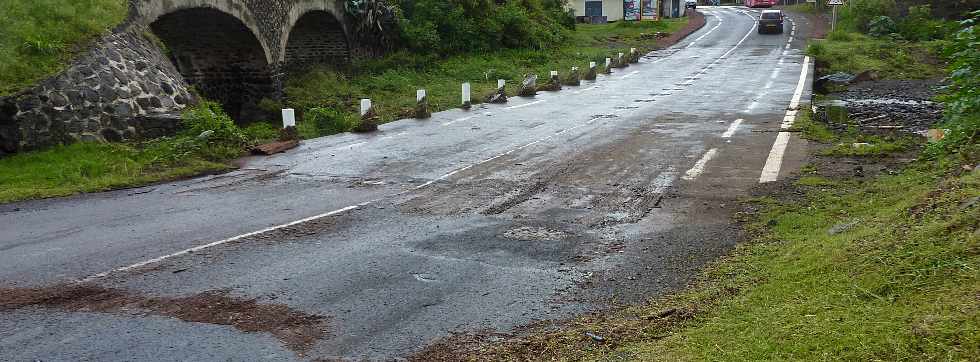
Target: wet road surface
497, 217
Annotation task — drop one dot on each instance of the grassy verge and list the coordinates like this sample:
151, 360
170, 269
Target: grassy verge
835, 268
891, 59
210, 141
39, 37
391, 82
849, 141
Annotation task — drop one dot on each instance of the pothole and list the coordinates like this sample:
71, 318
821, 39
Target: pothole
534, 233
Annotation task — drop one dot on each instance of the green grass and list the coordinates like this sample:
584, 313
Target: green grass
900, 284
39, 37
391, 82
850, 142
89, 167
891, 59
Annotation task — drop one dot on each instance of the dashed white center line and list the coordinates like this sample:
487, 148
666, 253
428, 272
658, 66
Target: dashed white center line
458, 120
525, 105
732, 128
698, 168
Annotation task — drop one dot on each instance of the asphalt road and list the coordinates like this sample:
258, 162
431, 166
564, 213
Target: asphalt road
374, 246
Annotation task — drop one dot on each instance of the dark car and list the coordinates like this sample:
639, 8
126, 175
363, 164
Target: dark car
771, 21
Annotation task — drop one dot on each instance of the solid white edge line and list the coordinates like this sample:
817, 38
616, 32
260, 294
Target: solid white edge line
770, 172
698, 168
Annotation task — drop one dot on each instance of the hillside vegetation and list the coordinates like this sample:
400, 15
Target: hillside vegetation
39, 37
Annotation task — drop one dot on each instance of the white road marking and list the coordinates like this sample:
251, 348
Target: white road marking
712, 30
732, 128
630, 74
220, 242
770, 172
585, 89
698, 168
525, 105
458, 120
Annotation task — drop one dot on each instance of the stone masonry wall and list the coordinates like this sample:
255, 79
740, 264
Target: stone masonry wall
113, 92
125, 87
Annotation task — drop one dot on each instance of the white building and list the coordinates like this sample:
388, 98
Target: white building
615, 10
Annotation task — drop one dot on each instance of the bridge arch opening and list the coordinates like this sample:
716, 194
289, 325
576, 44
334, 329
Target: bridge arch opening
316, 38
220, 56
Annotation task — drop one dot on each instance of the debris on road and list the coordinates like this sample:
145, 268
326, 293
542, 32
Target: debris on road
594, 337
274, 147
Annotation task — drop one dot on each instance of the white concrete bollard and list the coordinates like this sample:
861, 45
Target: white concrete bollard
466, 94
419, 95
501, 83
365, 106
608, 62
288, 118
592, 65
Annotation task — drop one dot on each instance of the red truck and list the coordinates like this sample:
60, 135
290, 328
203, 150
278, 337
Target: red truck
760, 3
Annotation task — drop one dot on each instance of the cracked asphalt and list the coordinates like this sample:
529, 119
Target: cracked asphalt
492, 218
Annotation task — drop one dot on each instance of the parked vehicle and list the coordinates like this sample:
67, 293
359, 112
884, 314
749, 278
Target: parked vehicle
760, 3
692, 4
771, 21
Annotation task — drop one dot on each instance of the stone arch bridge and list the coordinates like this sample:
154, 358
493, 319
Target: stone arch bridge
130, 83
236, 51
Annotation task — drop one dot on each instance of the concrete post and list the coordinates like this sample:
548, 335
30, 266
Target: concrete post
365, 106
369, 119
573, 77
608, 68
466, 99
554, 82
529, 87
591, 74
634, 55
500, 95
421, 105
288, 118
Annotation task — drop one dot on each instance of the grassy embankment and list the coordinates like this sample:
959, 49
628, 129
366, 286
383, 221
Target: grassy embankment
39, 37
209, 140
391, 82
835, 267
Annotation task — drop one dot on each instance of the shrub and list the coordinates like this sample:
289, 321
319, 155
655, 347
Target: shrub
920, 25
882, 26
858, 14
816, 49
446, 27
330, 121
962, 116
208, 120
261, 132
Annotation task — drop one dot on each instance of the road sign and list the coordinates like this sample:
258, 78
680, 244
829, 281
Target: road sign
835, 2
